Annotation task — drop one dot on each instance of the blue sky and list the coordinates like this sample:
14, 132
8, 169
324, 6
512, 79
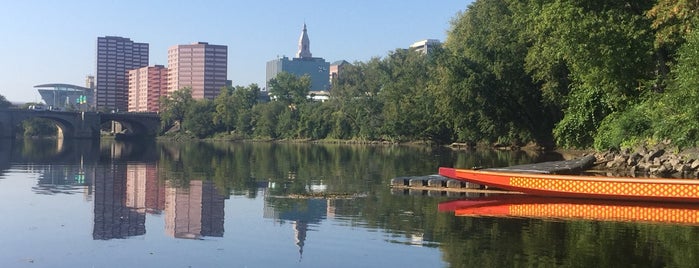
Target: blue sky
54, 41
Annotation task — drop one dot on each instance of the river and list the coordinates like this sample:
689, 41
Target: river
201, 204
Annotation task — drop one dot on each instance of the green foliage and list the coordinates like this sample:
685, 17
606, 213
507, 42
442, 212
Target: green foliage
233, 108
225, 115
677, 111
4, 103
590, 58
174, 107
265, 118
407, 101
39, 127
623, 129
289, 89
355, 99
198, 118
484, 93
315, 120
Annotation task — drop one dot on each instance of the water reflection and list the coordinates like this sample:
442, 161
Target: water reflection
194, 211
124, 194
313, 200
113, 218
302, 213
525, 206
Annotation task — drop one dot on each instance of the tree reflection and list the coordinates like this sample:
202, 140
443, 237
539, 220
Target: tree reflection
307, 184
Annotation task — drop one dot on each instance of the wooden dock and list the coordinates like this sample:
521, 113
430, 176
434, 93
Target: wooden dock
436, 185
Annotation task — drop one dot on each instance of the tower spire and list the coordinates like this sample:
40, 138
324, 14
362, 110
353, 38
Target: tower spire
304, 45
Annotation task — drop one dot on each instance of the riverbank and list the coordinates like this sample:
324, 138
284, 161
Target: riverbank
648, 160
660, 160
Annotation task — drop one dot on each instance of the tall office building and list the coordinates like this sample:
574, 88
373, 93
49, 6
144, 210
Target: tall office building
425, 46
146, 85
303, 64
201, 66
115, 57
90, 81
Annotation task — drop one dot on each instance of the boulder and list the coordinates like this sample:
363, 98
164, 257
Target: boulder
694, 164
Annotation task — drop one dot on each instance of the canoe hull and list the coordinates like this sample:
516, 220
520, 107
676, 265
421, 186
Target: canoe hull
637, 189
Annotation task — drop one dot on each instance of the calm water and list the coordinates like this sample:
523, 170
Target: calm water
156, 204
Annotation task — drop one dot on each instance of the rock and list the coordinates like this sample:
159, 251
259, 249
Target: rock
654, 154
658, 170
681, 167
694, 165
633, 159
674, 161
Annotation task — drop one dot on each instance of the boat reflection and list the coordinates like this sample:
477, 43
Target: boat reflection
525, 206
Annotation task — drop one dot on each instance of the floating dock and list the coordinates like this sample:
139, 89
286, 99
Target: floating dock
437, 185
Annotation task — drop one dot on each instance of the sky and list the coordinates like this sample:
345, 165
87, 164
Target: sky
55, 41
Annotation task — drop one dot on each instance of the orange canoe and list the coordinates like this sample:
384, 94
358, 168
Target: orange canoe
571, 186
522, 206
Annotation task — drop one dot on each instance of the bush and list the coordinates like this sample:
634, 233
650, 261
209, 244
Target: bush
623, 129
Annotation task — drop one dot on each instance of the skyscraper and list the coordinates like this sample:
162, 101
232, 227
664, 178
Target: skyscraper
303, 64
146, 85
201, 66
115, 57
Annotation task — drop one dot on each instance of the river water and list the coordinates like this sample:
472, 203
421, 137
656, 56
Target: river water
195, 204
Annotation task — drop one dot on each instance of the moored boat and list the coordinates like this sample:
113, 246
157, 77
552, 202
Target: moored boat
572, 186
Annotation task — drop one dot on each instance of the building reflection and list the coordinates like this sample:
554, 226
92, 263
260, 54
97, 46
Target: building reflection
143, 190
194, 211
303, 213
125, 193
113, 218
58, 179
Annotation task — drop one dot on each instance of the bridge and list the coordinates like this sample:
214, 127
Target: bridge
82, 125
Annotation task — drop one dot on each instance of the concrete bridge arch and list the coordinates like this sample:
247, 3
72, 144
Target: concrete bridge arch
81, 125
135, 124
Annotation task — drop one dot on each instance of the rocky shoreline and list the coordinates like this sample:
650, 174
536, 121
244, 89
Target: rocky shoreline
658, 161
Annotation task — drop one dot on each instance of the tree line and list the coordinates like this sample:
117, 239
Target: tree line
574, 74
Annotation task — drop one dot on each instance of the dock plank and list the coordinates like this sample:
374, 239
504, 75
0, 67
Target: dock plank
440, 183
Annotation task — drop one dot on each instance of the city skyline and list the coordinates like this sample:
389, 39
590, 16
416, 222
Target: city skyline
49, 46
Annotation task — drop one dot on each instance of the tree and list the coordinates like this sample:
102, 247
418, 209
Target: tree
4, 103
408, 105
225, 113
484, 92
233, 107
198, 118
265, 118
174, 107
244, 99
676, 114
289, 89
355, 100
39, 127
593, 58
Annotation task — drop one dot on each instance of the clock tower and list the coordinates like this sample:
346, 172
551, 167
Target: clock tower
304, 45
